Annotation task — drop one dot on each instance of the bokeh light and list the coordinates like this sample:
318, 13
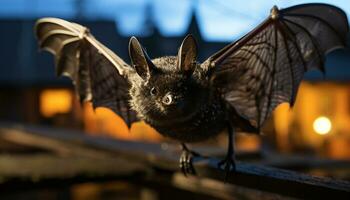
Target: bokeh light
322, 125
55, 101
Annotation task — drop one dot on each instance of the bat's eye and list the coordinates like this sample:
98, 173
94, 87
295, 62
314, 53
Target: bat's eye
167, 99
153, 91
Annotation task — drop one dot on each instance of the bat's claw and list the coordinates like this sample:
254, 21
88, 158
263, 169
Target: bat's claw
228, 164
186, 161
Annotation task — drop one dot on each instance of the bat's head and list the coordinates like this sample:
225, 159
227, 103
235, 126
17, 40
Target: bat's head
165, 87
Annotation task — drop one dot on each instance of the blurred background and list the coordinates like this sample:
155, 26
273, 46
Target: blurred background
317, 126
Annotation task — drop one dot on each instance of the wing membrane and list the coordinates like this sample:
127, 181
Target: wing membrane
265, 67
98, 74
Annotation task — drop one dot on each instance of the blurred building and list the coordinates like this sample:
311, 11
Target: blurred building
30, 92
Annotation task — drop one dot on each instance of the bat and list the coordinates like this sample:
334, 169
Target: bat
236, 88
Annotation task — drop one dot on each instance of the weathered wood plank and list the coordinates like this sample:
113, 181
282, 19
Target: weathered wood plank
277, 181
58, 159
222, 190
47, 166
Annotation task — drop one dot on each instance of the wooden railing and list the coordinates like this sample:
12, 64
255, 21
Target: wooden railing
47, 156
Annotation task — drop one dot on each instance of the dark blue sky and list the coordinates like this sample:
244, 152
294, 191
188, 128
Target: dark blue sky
219, 20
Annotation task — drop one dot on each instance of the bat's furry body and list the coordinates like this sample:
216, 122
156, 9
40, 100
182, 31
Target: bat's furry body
236, 88
196, 115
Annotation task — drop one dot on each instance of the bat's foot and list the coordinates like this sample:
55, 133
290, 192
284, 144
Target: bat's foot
186, 161
228, 164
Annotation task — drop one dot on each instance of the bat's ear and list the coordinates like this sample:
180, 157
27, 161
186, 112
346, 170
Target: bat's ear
187, 54
139, 59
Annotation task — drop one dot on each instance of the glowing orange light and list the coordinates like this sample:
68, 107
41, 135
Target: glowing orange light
53, 101
322, 125
105, 121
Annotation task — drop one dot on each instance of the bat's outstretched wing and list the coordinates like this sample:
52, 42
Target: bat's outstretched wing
98, 74
264, 68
